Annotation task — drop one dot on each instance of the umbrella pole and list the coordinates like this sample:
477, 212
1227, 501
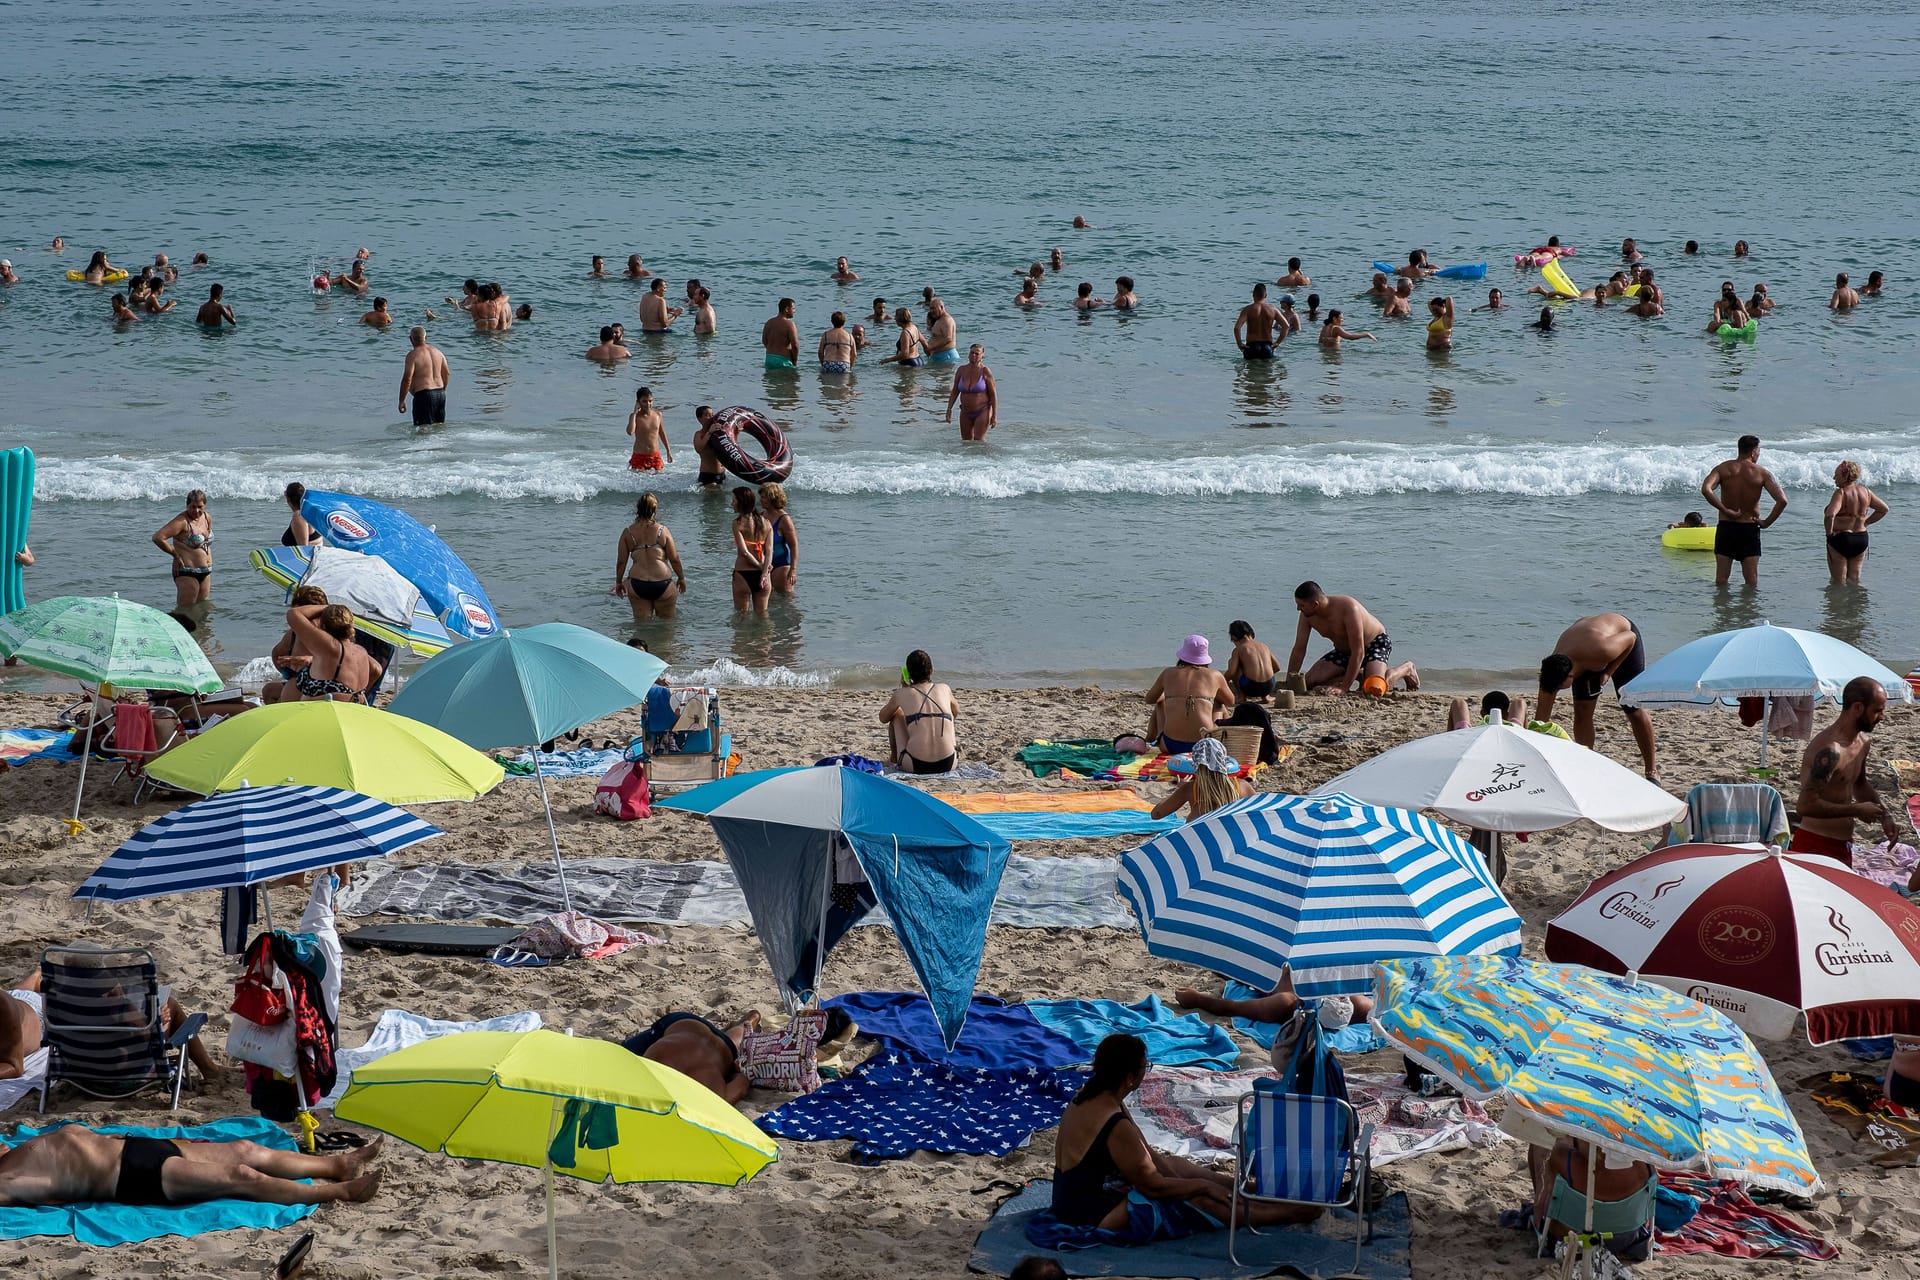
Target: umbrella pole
539, 775
546, 1170
1766, 727
73, 824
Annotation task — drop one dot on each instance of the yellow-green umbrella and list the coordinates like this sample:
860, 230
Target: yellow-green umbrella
586, 1108
330, 744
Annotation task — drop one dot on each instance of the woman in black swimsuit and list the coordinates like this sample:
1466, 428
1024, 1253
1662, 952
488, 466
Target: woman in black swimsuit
646, 565
919, 719
299, 533
337, 669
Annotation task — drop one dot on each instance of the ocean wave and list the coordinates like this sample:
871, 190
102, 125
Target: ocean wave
1531, 470
727, 673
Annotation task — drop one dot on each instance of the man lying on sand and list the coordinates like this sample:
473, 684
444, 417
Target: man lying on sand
75, 1165
699, 1050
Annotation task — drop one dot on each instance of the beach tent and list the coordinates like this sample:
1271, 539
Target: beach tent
814, 848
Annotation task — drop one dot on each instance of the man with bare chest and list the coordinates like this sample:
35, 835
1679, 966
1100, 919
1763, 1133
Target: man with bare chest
1834, 791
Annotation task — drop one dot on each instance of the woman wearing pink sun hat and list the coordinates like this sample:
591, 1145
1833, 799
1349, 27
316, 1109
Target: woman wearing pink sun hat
1188, 699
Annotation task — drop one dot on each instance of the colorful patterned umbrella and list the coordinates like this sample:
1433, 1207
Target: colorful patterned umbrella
1758, 934
101, 638
1639, 1071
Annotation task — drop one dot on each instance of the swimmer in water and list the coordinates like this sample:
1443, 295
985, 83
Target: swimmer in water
712, 473
1647, 305
909, 347
154, 306
655, 315
1440, 328
1693, 247
1417, 268
649, 432
1495, 302
356, 279
636, 270
1333, 331
469, 294
1029, 295
1084, 300
58, 246
97, 268
979, 398
1740, 248
1081, 224
1399, 305
879, 313
121, 311
214, 311
1057, 261
598, 271
943, 334
842, 272
1036, 272
859, 337
1295, 277
1379, 290
379, 317
1259, 328
1313, 308
1545, 322
7, 274
200, 260
1759, 304
1844, 298
1123, 295
608, 351
1876, 282
522, 312
837, 350
162, 267
1629, 251
704, 321
1288, 314
781, 337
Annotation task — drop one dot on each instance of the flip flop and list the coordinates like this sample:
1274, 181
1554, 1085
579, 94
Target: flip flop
294, 1259
339, 1140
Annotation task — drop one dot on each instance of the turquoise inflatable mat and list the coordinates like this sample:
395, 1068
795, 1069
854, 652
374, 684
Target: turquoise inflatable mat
16, 507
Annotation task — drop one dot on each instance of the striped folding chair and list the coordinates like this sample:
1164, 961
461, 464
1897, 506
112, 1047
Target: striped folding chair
1300, 1149
104, 1024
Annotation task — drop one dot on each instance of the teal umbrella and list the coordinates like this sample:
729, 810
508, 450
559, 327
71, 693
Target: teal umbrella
522, 688
106, 640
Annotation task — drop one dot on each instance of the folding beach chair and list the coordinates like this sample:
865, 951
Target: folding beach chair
1587, 1236
140, 733
104, 1024
1294, 1148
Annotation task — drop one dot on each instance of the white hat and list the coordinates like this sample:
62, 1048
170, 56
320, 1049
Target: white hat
1335, 1012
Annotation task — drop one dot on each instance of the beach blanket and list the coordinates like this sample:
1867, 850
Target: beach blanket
1190, 1112
1355, 1037
1725, 1221
582, 763
32, 1079
896, 1105
1061, 815
397, 1028
1321, 1248
1154, 768
1891, 866
1173, 1039
1105, 800
1859, 1106
22, 746
111, 1224
997, 1034
966, 771
1035, 893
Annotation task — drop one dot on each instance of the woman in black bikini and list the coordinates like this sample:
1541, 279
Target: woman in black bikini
187, 538
299, 533
979, 399
325, 632
919, 719
646, 565
752, 553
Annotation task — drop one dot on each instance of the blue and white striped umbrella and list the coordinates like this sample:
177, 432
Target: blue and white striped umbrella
1324, 883
253, 834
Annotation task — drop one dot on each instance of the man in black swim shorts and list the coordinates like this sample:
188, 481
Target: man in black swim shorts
1606, 646
712, 474
75, 1165
425, 378
1262, 326
1734, 488
696, 1048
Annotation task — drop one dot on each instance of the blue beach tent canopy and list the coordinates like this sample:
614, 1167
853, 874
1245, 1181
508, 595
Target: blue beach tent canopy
376, 529
793, 835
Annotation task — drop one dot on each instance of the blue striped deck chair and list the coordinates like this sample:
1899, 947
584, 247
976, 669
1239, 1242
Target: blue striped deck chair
104, 1024
1298, 1149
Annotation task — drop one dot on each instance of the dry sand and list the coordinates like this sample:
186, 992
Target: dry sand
814, 1213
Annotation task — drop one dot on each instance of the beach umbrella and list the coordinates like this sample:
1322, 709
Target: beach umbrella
106, 640
1764, 662
368, 585
1761, 935
1499, 777
1324, 884
249, 836
586, 1108
794, 836
527, 687
452, 591
329, 744
1633, 1069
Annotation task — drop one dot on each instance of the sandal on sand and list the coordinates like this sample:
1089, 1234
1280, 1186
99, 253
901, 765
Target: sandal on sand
294, 1260
339, 1140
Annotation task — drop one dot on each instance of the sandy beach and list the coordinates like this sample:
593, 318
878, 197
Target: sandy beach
815, 1213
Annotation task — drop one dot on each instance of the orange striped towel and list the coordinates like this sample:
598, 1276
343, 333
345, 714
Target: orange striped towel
1112, 800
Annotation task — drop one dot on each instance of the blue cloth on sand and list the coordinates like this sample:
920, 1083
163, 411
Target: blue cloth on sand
1074, 826
1147, 1221
1356, 1037
898, 1104
584, 762
111, 1224
1173, 1039
998, 1035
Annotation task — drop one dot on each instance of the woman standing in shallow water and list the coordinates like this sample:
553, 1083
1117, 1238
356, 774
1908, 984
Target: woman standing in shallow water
187, 538
979, 399
647, 572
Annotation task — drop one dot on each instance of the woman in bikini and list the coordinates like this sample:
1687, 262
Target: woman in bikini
1440, 328
786, 539
979, 399
646, 565
919, 719
299, 533
337, 669
752, 556
910, 350
187, 538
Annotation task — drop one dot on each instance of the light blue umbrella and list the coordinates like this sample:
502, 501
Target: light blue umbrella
522, 688
376, 529
1764, 662
1323, 884
249, 836
935, 870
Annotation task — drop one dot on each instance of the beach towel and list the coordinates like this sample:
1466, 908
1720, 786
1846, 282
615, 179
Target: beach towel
32, 1079
1908, 771
1890, 866
1060, 893
568, 935
582, 763
1154, 768
1725, 1221
859, 763
397, 1028
897, 1104
1082, 757
997, 1035
1321, 1248
1173, 1039
1859, 1106
1190, 1112
965, 771
1355, 1037
1732, 813
23, 746
1061, 815
1105, 800
111, 1224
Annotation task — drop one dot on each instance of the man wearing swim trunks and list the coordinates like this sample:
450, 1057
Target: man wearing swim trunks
609, 350
712, 473
1260, 327
425, 378
837, 350
1834, 791
696, 1048
781, 337
214, 311
1606, 646
649, 432
1361, 649
943, 334
1188, 699
655, 315
1740, 481
75, 1165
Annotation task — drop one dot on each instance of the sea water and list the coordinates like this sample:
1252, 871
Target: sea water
1143, 482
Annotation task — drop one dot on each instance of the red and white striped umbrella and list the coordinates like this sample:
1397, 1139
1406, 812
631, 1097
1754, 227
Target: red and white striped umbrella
1758, 934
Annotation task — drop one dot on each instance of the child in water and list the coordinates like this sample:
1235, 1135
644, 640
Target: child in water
1692, 520
649, 434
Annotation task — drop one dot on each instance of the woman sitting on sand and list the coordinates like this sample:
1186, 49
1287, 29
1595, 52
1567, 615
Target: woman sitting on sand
1567, 1161
1106, 1176
919, 719
325, 632
1212, 785
288, 656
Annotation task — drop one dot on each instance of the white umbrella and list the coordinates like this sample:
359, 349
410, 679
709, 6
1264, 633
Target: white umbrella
1501, 778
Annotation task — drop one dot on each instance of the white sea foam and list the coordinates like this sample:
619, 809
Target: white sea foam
727, 673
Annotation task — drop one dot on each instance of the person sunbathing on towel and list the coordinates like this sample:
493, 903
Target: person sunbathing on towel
1105, 1175
1278, 1005
697, 1049
75, 1165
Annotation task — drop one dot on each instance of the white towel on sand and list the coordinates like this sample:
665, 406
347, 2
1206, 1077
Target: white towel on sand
34, 1077
397, 1029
